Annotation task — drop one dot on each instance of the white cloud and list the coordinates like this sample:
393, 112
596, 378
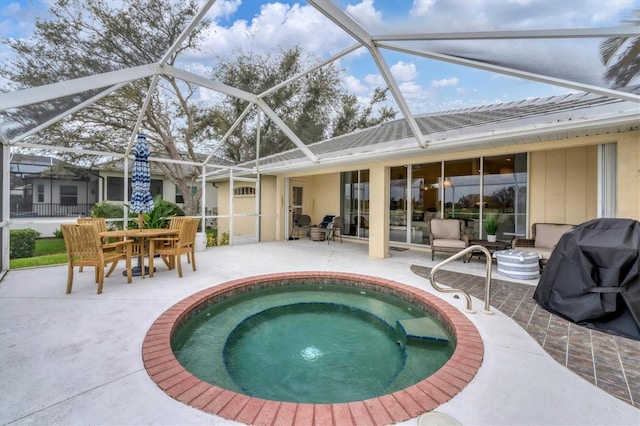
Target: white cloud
453, 81
421, 7
365, 13
374, 80
404, 71
410, 89
353, 84
277, 26
225, 8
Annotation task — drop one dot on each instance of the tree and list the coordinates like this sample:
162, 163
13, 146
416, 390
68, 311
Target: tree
622, 56
315, 107
89, 37
84, 38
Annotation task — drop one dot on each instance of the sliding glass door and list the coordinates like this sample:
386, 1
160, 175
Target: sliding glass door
355, 203
466, 189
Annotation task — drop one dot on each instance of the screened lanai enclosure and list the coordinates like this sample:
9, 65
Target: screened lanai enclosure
163, 79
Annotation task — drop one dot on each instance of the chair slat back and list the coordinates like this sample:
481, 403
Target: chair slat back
100, 222
81, 241
176, 222
188, 232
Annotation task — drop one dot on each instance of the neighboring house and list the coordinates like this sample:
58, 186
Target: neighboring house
48, 187
563, 159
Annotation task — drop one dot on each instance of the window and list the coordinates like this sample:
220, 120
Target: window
68, 195
180, 198
40, 193
115, 188
244, 190
467, 189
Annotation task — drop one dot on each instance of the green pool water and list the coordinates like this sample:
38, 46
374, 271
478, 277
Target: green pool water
310, 344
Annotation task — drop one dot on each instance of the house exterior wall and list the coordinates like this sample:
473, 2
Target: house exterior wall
244, 208
563, 185
269, 196
628, 176
324, 195
563, 182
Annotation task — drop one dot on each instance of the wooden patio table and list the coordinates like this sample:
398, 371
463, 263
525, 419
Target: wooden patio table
142, 236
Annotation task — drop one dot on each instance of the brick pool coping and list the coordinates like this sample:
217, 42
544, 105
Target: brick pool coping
165, 370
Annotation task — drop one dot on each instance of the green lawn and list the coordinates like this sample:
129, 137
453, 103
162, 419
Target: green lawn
49, 251
46, 246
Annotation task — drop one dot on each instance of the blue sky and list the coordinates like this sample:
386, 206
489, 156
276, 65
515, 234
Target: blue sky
257, 26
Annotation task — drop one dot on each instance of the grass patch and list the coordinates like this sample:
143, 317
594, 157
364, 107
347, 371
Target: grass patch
30, 262
49, 251
46, 246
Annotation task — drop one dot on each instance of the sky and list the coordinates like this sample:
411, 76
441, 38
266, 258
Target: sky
427, 85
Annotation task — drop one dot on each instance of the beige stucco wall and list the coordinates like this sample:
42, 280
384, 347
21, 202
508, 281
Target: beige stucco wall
269, 204
563, 185
628, 177
325, 196
244, 207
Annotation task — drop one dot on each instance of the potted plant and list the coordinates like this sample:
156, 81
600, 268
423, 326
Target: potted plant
491, 227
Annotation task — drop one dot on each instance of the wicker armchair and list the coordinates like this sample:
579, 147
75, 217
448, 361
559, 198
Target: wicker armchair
544, 237
174, 247
84, 248
447, 235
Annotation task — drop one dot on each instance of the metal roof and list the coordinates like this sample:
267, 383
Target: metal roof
512, 123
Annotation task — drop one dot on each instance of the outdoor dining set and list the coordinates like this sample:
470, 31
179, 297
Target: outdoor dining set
89, 243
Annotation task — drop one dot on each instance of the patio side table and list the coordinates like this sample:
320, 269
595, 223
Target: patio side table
492, 246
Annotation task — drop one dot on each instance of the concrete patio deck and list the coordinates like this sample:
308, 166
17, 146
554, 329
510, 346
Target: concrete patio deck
76, 359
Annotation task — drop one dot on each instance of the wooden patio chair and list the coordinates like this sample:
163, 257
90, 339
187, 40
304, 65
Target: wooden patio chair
101, 224
174, 247
84, 248
176, 222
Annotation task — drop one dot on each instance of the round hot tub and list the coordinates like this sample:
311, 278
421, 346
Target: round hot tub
305, 346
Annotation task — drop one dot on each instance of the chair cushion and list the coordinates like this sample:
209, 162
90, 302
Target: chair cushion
545, 253
448, 243
445, 229
548, 235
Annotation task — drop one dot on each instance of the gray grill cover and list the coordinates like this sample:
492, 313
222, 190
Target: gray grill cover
593, 277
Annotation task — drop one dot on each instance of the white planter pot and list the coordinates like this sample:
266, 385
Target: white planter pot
491, 238
201, 241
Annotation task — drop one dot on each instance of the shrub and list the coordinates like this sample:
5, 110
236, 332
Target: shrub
225, 239
211, 237
58, 233
107, 210
159, 217
22, 243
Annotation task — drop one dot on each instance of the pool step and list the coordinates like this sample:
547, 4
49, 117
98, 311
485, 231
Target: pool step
425, 328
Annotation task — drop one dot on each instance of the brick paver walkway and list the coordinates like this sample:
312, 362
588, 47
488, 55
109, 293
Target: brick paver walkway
612, 363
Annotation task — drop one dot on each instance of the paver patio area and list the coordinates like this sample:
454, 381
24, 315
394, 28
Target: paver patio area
76, 359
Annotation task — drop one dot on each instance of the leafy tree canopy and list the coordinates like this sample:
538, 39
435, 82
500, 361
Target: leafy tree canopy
82, 38
315, 106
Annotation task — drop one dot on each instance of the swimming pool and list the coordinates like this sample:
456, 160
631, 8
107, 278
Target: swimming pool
398, 405
312, 343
